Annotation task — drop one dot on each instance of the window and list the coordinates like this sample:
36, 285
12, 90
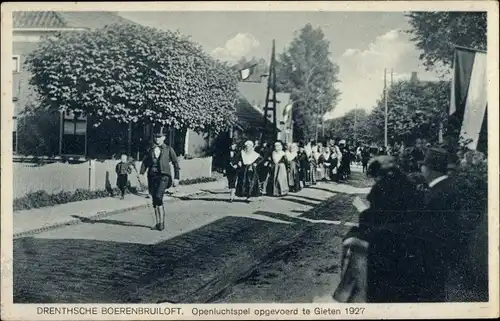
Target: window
16, 63
74, 125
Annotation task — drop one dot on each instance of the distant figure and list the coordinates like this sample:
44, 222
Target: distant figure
232, 170
365, 158
122, 169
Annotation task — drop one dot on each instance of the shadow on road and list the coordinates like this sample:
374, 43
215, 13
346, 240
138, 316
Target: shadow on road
111, 222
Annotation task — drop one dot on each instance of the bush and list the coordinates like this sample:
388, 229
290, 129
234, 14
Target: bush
40, 199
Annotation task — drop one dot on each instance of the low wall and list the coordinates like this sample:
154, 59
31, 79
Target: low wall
57, 177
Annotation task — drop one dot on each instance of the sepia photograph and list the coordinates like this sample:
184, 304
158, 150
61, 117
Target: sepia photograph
327, 157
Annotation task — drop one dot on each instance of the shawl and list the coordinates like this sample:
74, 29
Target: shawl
291, 155
277, 156
308, 149
249, 157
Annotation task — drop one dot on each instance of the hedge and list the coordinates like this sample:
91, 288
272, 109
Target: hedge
40, 199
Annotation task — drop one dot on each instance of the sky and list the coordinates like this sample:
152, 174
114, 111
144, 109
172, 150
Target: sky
362, 44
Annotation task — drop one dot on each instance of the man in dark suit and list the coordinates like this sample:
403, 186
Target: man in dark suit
439, 225
157, 164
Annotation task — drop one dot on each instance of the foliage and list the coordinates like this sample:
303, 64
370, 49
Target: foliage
38, 133
415, 110
436, 34
352, 127
43, 199
306, 71
132, 73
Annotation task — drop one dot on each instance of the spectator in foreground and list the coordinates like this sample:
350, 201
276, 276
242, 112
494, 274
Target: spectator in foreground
381, 260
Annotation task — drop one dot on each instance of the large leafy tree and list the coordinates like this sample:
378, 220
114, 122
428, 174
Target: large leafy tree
306, 71
134, 74
437, 33
353, 127
415, 110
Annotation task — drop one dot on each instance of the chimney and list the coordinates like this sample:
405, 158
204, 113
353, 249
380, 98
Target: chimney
414, 78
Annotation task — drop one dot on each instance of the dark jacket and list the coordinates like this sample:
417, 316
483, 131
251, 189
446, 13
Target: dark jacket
123, 168
167, 156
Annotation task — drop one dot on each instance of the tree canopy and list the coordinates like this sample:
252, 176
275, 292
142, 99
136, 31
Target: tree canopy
353, 127
134, 74
436, 34
306, 71
415, 110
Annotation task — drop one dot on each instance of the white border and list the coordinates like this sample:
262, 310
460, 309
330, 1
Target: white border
372, 311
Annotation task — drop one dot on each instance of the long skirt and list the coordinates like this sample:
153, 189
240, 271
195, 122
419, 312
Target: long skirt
248, 183
306, 174
313, 173
294, 177
277, 184
320, 172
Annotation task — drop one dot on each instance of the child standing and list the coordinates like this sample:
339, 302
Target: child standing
122, 170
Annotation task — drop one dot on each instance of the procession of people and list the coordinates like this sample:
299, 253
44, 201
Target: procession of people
278, 168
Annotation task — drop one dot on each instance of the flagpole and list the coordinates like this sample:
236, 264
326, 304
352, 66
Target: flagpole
275, 124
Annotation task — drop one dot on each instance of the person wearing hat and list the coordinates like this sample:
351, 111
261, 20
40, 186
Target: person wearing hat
157, 164
439, 224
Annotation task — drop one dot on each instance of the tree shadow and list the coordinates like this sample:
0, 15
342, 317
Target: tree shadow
282, 217
188, 268
301, 202
309, 198
216, 192
209, 199
106, 221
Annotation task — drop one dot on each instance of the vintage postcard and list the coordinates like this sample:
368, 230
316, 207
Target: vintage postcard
249, 160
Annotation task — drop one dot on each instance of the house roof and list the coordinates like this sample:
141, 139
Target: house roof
66, 19
250, 109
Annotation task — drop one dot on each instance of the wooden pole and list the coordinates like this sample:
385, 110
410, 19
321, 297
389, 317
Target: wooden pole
129, 140
355, 122
275, 123
385, 104
61, 131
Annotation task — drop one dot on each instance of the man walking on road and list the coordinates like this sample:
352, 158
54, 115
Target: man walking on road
157, 164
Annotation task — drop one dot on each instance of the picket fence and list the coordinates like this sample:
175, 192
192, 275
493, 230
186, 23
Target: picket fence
89, 175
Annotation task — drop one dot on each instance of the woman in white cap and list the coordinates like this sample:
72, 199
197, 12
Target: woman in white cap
278, 183
248, 178
293, 169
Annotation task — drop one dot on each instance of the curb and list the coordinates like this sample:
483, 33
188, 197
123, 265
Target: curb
101, 214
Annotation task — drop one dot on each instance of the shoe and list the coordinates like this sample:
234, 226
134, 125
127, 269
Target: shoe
161, 227
156, 227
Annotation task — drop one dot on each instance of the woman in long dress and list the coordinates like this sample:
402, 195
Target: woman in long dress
305, 163
319, 160
248, 177
327, 163
232, 170
293, 169
312, 161
277, 184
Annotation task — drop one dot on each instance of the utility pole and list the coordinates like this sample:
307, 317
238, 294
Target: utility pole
385, 103
355, 123
270, 83
392, 73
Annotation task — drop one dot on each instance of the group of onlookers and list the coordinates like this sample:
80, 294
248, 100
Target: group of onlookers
278, 169
411, 237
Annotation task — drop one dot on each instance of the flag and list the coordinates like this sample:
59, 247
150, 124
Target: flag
287, 111
469, 99
246, 73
